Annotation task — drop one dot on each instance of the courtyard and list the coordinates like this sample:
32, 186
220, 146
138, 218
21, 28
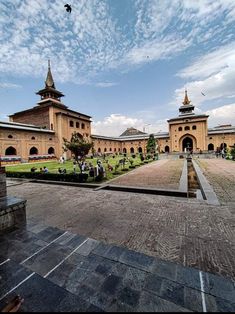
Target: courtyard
100, 250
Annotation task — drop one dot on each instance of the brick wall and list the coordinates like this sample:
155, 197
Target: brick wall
37, 116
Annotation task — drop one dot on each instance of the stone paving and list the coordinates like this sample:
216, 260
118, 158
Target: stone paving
57, 271
186, 231
159, 174
221, 175
177, 232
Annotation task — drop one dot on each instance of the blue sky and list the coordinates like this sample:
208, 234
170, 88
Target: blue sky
124, 62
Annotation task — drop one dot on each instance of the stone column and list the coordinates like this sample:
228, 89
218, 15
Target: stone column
3, 188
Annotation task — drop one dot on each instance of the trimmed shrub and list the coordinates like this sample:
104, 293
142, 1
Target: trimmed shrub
80, 177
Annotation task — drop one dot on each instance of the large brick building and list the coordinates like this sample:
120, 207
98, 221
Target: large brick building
38, 133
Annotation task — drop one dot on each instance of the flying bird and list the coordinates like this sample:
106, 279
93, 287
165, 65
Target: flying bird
203, 94
68, 8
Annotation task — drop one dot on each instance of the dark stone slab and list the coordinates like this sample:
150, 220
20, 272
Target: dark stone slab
215, 304
188, 276
138, 260
149, 302
102, 300
153, 284
49, 234
61, 275
172, 292
111, 284
47, 259
87, 247
164, 269
11, 274
129, 296
41, 295
92, 308
193, 299
133, 277
75, 241
219, 286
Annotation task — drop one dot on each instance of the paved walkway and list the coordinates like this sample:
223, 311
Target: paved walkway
159, 174
221, 175
57, 271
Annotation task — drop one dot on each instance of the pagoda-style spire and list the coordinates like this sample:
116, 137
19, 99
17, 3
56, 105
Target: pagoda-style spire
186, 100
49, 80
49, 92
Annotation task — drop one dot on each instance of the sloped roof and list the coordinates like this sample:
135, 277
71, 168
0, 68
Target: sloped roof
131, 131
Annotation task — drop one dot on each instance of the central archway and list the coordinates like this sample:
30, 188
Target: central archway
187, 144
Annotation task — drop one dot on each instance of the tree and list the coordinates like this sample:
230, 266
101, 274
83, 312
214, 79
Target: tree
78, 146
151, 144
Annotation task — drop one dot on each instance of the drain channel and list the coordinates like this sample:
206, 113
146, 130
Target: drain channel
193, 184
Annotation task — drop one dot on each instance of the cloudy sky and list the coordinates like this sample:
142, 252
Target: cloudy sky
124, 62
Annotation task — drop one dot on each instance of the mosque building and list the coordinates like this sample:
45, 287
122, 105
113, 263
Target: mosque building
37, 133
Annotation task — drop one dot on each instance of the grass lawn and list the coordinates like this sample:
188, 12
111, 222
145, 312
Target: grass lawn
68, 165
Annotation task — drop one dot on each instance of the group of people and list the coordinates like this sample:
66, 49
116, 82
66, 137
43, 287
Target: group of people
94, 171
41, 170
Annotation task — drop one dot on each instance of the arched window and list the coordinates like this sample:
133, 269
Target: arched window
33, 151
105, 150
50, 139
83, 126
99, 150
10, 136
51, 150
10, 151
211, 147
51, 126
223, 145
194, 127
32, 138
115, 149
140, 150
110, 149
187, 128
180, 128
71, 123
77, 125
119, 149
132, 150
124, 150
167, 149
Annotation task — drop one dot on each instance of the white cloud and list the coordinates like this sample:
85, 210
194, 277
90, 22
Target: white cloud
3, 117
213, 74
222, 115
9, 85
92, 40
116, 124
105, 84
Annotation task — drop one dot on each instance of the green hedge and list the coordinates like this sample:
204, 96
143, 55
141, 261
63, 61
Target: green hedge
80, 177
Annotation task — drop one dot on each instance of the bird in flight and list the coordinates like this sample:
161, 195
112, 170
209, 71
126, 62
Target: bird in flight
203, 94
68, 8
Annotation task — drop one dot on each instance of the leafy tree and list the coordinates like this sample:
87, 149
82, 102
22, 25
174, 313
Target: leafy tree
78, 146
151, 144
232, 152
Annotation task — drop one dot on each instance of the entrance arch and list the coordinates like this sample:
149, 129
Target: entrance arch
187, 144
210, 146
140, 150
33, 151
167, 149
10, 151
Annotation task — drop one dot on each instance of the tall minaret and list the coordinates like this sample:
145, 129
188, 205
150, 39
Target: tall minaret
187, 108
49, 92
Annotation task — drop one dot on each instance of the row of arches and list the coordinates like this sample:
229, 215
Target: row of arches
131, 151
11, 151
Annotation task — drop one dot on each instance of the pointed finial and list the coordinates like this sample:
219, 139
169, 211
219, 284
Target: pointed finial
186, 100
49, 80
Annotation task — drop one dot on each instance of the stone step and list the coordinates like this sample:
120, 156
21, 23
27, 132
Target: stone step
56, 270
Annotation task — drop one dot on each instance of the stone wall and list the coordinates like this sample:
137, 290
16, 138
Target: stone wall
3, 189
